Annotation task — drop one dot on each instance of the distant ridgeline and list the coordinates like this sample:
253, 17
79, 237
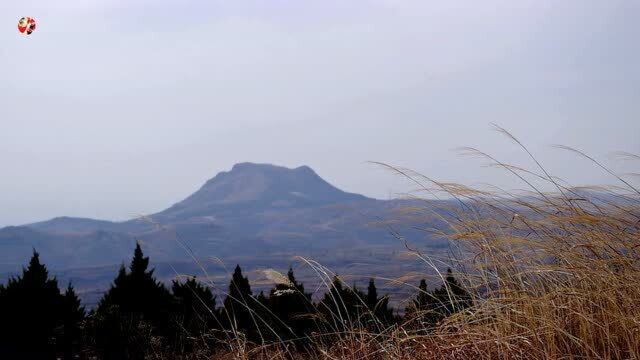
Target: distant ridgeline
253, 209
139, 316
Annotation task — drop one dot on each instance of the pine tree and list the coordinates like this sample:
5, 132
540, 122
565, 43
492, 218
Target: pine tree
429, 308
72, 315
292, 309
379, 307
342, 307
30, 308
262, 299
135, 308
460, 299
138, 292
355, 303
196, 312
294, 283
451, 297
331, 306
422, 311
239, 305
421, 302
372, 295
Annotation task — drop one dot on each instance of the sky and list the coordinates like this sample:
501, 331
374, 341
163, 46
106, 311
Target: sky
115, 108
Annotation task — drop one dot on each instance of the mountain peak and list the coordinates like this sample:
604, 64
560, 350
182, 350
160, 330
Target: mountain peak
263, 185
250, 166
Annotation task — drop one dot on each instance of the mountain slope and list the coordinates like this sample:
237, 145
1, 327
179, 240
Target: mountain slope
252, 209
259, 186
65, 224
93, 248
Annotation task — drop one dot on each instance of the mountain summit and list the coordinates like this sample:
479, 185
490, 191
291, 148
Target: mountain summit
260, 186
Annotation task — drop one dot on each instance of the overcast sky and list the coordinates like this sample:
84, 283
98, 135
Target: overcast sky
120, 107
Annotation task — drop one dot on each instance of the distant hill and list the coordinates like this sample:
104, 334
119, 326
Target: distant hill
70, 225
252, 209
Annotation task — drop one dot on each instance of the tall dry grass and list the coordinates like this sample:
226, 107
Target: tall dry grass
555, 274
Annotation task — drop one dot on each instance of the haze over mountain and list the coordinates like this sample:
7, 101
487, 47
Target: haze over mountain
253, 209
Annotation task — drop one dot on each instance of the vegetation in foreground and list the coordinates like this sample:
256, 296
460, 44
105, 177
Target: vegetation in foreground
546, 276
139, 318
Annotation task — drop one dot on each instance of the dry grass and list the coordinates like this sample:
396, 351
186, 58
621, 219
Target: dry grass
555, 275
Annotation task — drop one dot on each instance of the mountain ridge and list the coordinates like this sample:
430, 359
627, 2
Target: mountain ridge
250, 209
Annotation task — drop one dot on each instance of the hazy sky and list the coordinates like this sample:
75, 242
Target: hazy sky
119, 107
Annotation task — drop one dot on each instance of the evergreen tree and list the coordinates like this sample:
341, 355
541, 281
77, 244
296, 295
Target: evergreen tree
342, 307
239, 304
262, 299
422, 309
355, 304
372, 294
302, 307
331, 306
422, 301
72, 316
196, 312
135, 309
292, 309
379, 307
463, 297
449, 298
30, 309
428, 308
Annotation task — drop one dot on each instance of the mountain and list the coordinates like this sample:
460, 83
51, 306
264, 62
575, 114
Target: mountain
260, 186
69, 225
62, 250
251, 210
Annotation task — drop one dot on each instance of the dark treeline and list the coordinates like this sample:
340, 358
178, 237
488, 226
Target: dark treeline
139, 317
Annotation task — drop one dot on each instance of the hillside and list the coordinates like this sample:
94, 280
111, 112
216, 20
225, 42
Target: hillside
251, 209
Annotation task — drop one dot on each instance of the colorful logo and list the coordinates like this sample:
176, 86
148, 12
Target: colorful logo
26, 25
